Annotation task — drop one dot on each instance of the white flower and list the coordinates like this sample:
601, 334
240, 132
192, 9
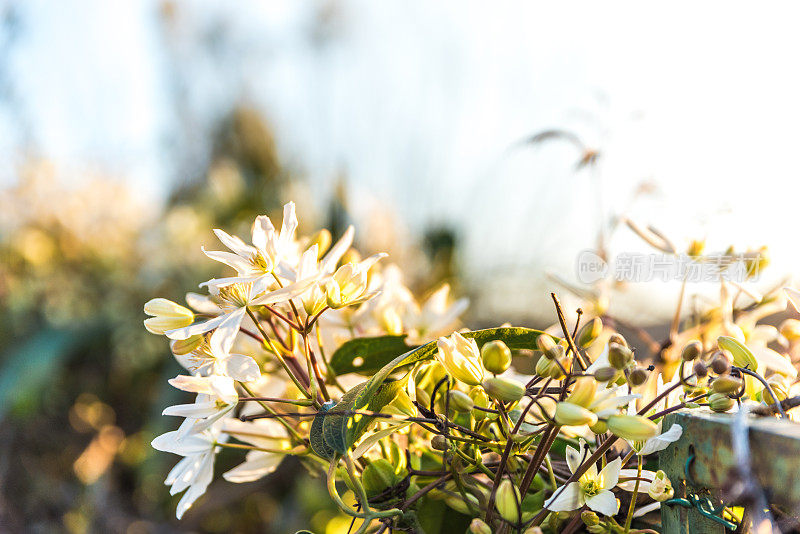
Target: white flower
204, 361
262, 433
216, 398
592, 489
234, 300
348, 285
196, 470
660, 441
461, 358
436, 317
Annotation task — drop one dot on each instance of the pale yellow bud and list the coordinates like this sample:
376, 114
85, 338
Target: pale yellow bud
619, 356
507, 501
460, 401
573, 415
503, 389
600, 427
496, 356
461, 358
545, 342
481, 400
182, 347
479, 527
589, 332
583, 391
167, 315
790, 329
314, 300
742, 356
726, 384
632, 427
719, 402
345, 287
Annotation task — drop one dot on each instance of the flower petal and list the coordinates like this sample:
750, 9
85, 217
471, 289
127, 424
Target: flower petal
223, 337
604, 503
610, 473
662, 441
198, 328
241, 368
257, 465
565, 498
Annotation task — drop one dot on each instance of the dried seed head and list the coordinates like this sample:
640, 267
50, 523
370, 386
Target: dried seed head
700, 369
721, 363
691, 351
605, 374
637, 377
619, 356
439, 443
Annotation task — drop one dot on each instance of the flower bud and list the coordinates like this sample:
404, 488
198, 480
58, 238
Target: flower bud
590, 519
555, 352
479, 527
460, 401
378, 476
660, 488
456, 502
503, 389
545, 342
439, 443
691, 351
549, 369
423, 397
721, 363
533, 530
322, 239
606, 374
619, 356
481, 400
314, 299
742, 357
496, 356
719, 402
583, 391
589, 332
790, 329
637, 377
600, 427
726, 384
181, 347
569, 414
507, 502
632, 427
166, 315
618, 339
700, 369
461, 358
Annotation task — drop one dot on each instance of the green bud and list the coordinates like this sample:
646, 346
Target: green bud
533, 530
726, 384
719, 402
378, 476
481, 400
479, 527
619, 356
456, 502
507, 502
605, 374
618, 339
691, 351
721, 363
555, 353
496, 356
545, 342
590, 519
503, 389
632, 427
573, 415
439, 443
637, 377
460, 401
742, 356
423, 398
600, 427
589, 332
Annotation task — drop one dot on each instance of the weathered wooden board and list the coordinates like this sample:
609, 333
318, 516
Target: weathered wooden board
775, 463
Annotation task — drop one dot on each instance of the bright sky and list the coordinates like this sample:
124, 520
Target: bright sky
420, 104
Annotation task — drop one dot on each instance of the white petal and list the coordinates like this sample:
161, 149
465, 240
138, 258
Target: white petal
241, 368
197, 410
610, 473
628, 485
235, 244
372, 260
263, 234
198, 328
662, 441
574, 458
646, 509
288, 227
285, 293
794, 297
328, 263
169, 442
775, 361
604, 503
565, 498
223, 337
257, 465
242, 265
202, 303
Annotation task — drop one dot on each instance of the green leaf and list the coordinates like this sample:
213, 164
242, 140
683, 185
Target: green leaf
331, 433
375, 352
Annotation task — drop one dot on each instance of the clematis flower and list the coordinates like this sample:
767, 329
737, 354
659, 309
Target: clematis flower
461, 358
661, 440
593, 488
348, 285
216, 398
196, 470
234, 300
203, 361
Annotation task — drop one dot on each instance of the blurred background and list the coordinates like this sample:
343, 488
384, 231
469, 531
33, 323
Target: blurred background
129, 129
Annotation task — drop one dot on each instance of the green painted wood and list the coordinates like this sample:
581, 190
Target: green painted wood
775, 454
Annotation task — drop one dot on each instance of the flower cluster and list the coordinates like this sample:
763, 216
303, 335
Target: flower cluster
307, 349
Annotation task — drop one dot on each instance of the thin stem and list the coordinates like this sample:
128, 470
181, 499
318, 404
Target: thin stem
635, 494
290, 428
